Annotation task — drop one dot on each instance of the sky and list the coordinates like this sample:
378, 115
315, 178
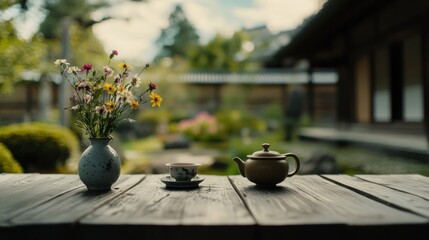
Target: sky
136, 25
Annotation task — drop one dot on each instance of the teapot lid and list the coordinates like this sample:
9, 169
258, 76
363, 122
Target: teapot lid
266, 154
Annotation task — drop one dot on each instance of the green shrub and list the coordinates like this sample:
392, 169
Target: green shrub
234, 121
39, 146
7, 163
204, 127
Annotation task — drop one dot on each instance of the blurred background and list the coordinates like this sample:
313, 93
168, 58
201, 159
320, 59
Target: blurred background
341, 83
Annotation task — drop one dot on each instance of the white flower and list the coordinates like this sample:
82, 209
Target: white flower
74, 98
125, 93
100, 110
87, 98
61, 61
136, 81
118, 79
84, 85
108, 71
73, 69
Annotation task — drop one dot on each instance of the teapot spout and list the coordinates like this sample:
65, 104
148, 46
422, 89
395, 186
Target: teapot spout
241, 165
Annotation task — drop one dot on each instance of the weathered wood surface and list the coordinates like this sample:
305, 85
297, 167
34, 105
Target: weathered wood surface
311, 199
409, 193
58, 206
213, 208
47, 206
74, 203
21, 193
411, 183
215, 202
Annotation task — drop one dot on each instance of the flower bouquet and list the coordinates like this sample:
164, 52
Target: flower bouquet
102, 100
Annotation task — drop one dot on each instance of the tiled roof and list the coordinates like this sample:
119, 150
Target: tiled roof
295, 77
291, 77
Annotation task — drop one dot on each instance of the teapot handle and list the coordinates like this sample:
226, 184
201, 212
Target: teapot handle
297, 163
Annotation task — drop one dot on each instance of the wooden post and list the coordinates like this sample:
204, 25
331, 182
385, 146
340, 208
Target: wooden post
425, 47
310, 94
29, 102
44, 98
63, 95
396, 82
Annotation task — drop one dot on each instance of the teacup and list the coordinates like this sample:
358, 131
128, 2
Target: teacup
183, 171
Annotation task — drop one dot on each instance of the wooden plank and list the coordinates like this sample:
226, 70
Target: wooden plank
70, 206
310, 199
283, 204
386, 190
214, 202
54, 216
411, 183
30, 190
150, 210
7, 179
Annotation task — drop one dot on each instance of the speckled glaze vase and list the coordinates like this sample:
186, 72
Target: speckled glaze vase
99, 165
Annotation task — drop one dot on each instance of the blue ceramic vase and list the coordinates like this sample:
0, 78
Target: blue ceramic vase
99, 165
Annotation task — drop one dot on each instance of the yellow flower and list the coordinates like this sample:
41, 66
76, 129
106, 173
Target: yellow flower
121, 89
155, 99
134, 104
95, 87
124, 66
110, 105
109, 88
125, 95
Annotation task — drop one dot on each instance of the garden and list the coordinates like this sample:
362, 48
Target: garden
212, 139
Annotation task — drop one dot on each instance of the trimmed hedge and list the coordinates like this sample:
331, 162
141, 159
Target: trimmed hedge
39, 146
7, 163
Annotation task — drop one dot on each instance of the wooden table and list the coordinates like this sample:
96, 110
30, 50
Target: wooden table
56, 206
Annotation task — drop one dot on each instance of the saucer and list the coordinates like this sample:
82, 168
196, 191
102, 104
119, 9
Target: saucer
173, 183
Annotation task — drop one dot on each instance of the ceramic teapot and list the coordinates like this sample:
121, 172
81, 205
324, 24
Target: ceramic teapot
267, 168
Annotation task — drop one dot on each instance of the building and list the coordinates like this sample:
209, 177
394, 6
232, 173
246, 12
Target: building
32, 99
262, 89
380, 50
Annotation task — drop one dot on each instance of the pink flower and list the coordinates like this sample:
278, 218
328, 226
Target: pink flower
114, 53
86, 67
152, 86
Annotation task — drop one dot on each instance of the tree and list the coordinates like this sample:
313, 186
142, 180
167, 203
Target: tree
17, 54
223, 54
77, 10
5, 4
178, 38
73, 18
37, 52
67, 21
